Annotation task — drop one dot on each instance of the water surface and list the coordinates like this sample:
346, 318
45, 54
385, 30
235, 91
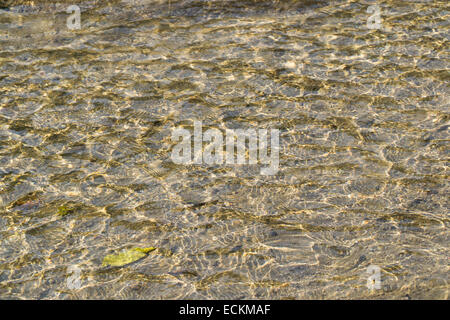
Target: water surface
86, 119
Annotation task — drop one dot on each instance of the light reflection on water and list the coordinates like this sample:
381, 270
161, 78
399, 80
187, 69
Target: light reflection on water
86, 119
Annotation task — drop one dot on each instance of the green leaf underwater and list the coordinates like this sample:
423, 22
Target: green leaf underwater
63, 210
126, 257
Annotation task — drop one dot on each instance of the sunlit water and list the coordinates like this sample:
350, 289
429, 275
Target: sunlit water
86, 118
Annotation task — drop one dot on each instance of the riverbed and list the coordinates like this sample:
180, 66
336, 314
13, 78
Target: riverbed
86, 116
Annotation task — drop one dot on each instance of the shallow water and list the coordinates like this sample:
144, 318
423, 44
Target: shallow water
86, 118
